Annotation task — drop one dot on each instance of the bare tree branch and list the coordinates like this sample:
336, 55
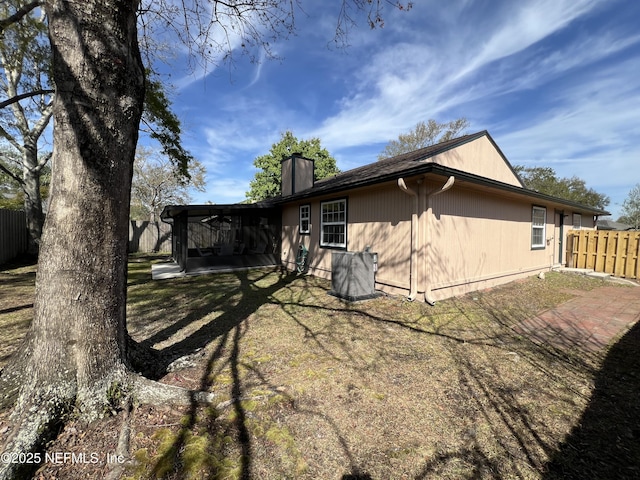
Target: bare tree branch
11, 139
22, 96
11, 174
16, 17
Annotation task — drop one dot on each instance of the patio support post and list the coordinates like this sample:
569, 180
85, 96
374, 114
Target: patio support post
183, 247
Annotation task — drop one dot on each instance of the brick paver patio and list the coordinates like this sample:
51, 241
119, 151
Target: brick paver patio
590, 321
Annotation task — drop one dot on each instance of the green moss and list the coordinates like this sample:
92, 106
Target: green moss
116, 394
291, 459
378, 396
195, 457
187, 455
280, 436
314, 374
277, 399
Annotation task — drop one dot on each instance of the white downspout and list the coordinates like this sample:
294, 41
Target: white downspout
427, 239
413, 274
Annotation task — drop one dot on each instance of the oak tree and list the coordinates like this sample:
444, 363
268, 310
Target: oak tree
25, 113
545, 180
631, 208
24, 72
157, 182
424, 135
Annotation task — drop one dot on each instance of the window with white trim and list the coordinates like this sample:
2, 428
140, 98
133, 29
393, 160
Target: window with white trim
333, 224
577, 221
538, 227
305, 219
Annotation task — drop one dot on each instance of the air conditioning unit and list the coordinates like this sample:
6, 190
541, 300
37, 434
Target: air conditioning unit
353, 275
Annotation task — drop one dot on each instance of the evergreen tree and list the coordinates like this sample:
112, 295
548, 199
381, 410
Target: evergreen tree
266, 182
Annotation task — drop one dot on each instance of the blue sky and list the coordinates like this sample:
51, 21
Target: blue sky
555, 82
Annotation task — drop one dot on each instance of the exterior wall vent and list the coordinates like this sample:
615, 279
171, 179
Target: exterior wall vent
353, 275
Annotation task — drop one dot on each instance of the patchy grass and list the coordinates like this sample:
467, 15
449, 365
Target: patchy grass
17, 286
311, 387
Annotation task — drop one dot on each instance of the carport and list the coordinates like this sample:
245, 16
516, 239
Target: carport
224, 237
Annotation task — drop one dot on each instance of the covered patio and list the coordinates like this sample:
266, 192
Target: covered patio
208, 238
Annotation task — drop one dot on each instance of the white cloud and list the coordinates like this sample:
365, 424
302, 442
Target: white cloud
526, 24
222, 191
590, 133
406, 83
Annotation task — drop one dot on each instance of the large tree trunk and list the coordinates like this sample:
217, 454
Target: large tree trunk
76, 346
81, 285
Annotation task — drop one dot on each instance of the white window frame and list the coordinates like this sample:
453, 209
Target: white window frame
537, 227
305, 217
333, 219
577, 221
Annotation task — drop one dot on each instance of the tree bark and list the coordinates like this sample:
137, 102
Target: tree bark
76, 347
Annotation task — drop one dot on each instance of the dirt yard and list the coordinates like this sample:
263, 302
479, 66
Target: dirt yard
310, 387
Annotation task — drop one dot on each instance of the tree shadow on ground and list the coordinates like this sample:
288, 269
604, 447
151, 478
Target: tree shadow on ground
218, 344
478, 396
236, 302
606, 441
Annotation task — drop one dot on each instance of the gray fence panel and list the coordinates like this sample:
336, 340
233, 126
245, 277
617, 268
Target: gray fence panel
145, 237
13, 234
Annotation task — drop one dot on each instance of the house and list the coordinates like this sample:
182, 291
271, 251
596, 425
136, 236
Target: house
443, 220
605, 224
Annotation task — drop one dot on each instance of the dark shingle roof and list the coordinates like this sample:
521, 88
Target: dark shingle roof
413, 163
383, 170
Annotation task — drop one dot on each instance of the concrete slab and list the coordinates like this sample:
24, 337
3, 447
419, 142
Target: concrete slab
163, 271
581, 271
213, 264
594, 274
603, 276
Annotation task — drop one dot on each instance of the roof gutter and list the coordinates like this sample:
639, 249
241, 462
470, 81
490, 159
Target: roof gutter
421, 236
413, 264
424, 168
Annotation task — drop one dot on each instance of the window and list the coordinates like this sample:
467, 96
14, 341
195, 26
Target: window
577, 221
333, 224
538, 225
305, 218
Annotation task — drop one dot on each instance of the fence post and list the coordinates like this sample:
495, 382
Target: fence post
569, 257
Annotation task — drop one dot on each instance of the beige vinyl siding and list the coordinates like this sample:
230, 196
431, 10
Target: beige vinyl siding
477, 240
480, 240
479, 157
379, 217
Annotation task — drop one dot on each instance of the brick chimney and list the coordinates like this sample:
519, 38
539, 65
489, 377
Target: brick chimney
297, 174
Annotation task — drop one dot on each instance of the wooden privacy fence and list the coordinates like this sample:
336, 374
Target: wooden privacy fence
143, 236
149, 236
13, 234
606, 251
